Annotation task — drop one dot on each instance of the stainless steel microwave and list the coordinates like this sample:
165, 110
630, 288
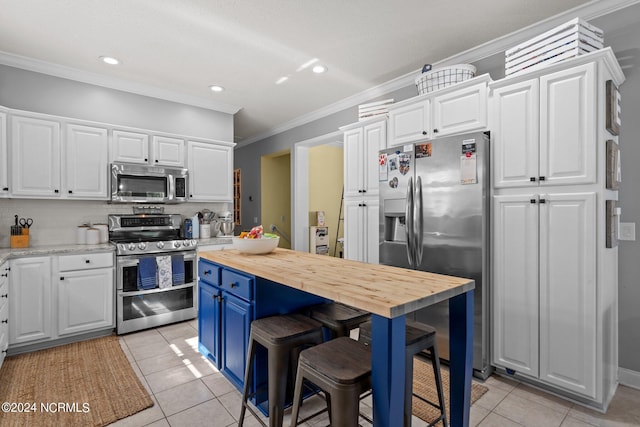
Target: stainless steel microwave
134, 183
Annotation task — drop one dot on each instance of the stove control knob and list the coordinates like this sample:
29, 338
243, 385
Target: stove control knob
142, 246
186, 243
194, 242
160, 245
131, 246
176, 244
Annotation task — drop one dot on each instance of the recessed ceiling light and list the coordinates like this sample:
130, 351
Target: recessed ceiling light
109, 60
319, 69
216, 88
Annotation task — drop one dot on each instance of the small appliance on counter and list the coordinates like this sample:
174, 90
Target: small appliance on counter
226, 223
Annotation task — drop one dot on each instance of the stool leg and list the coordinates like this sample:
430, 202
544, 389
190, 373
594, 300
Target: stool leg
247, 377
297, 398
435, 362
278, 362
408, 389
345, 405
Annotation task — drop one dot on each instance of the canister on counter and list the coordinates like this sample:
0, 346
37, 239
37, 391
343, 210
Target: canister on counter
188, 229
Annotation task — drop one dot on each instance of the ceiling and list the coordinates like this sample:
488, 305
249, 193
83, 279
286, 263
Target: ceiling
179, 48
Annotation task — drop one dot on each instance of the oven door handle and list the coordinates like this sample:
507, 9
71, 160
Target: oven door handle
122, 293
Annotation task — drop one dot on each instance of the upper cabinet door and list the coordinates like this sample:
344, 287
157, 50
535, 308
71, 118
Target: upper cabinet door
4, 161
167, 151
130, 147
35, 157
375, 139
514, 131
86, 151
210, 172
568, 126
460, 111
353, 162
409, 123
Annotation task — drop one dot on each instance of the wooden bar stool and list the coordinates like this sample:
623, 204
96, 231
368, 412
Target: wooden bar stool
338, 318
418, 337
280, 335
341, 368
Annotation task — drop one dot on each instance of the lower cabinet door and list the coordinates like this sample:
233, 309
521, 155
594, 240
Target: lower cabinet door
85, 300
209, 322
236, 323
30, 305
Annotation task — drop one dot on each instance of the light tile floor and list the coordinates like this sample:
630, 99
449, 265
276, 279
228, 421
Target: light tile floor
189, 391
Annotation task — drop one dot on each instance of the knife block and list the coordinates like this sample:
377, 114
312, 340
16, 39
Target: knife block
20, 241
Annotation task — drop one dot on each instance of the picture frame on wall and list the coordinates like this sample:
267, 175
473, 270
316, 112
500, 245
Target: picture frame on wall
613, 171
613, 108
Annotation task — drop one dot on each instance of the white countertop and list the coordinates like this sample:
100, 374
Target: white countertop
43, 250
6, 253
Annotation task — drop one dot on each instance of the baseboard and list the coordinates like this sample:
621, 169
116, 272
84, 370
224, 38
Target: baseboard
629, 378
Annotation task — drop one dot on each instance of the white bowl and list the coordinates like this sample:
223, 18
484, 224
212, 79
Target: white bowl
263, 245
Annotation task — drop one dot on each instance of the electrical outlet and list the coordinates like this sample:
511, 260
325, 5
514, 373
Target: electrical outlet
255, 219
282, 218
627, 231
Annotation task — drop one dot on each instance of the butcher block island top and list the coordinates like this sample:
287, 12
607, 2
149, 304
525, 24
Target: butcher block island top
380, 289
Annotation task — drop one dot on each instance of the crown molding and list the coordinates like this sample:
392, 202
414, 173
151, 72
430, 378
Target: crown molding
38, 66
588, 11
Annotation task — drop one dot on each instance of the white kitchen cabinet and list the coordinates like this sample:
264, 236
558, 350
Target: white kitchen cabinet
515, 283
544, 130
210, 171
568, 315
361, 146
460, 111
4, 310
85, 293
35, 157
409, 123
452, 110
554, 294
86, 161
361, 230
129, 147
134, 147
544, 287
30, 305
4, 160
167, 151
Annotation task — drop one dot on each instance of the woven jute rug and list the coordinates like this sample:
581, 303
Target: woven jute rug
424, 385
88, 383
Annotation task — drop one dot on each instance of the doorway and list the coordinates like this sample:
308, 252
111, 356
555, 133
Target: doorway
325, 168
275, 190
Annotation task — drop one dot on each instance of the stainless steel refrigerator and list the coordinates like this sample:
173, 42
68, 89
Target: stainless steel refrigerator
434, 205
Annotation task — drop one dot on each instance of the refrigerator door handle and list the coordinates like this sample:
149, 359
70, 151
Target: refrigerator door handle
418, 223
408, 221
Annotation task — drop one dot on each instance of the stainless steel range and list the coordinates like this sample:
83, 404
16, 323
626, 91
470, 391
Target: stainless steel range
155, 271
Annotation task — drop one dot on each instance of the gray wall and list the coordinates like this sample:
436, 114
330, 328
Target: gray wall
41, 93
622, 33
625, 42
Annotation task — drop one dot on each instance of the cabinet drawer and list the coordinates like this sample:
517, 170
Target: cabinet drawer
237, 284
209, 272
85, 261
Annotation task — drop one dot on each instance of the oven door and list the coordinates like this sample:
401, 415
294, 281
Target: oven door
138, 309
